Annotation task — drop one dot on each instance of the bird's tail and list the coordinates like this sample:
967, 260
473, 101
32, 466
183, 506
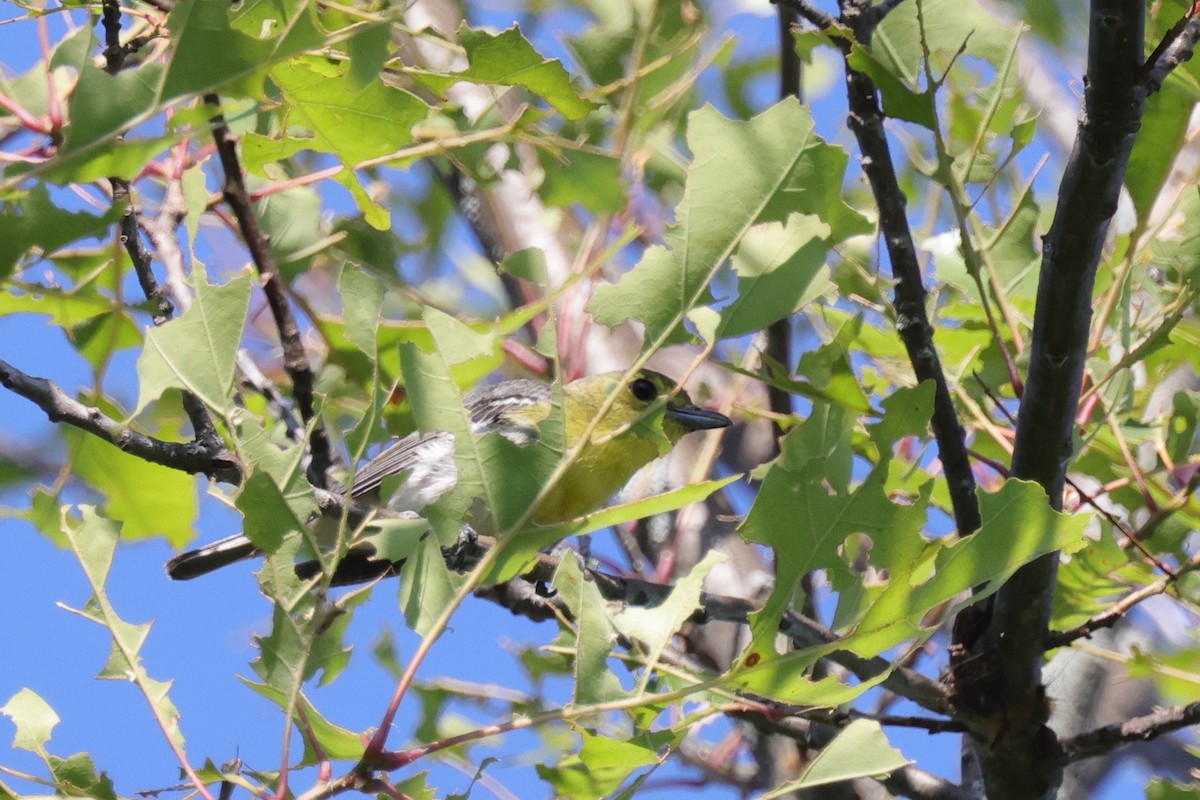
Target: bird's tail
204, 560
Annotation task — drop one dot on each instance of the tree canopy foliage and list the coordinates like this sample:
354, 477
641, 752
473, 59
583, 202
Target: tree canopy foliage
949, 303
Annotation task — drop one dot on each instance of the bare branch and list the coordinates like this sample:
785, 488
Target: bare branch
1175, 48
912, 323
203, 428
1109, 616
916, 783
295, 360
842, 717
114, 60
809, 12
1102, 741
1021, 763
779, 334
198, 457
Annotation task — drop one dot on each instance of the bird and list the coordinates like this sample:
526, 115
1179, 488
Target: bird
617, 448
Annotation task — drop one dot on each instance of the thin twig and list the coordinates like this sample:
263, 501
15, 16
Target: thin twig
203, 428
1109, 617
779, 333
114, 60
1086, 496
1175, 48
1102, 741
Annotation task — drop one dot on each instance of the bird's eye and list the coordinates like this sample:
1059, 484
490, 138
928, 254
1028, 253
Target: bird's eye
644, 390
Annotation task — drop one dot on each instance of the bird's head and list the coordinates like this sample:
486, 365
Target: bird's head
646, 402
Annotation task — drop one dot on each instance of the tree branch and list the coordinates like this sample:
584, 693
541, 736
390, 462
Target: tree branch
912, 323
905, 682
197, 457
1102, 741
114, 60
809, 12
1109, 616
1175, 48
295, 360
203, 429
779, 334
1022, 762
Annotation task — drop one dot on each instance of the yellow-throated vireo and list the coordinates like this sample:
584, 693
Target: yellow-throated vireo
617, 448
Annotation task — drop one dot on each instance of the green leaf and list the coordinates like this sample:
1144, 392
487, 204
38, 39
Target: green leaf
780, 268
417, 787
393, 539
1162, 134
743, 173
197, 352
508, 59
362, 303
1018, 526
900, 99
354, 123
306, 633
268, 516
602, 765
860, 751
656, 627
807, 526
591, 180
76, 776
520, 550
283, 653
336, 742
374, 214
198, 30
276, 497
120, 158
427, 586
66, 308
1091, 579
168, 510
34, 719
98, 338
292, 221
948, 26
368, 53
93, 539
36, 222
529, 264
594, 636
1163, 789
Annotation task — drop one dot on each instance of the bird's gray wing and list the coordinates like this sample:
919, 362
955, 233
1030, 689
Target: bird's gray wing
420, 453
429, 457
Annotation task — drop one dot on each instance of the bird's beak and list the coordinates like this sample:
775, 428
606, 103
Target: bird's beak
696, 418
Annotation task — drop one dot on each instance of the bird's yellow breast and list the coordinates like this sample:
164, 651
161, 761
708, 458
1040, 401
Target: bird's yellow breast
597, 475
